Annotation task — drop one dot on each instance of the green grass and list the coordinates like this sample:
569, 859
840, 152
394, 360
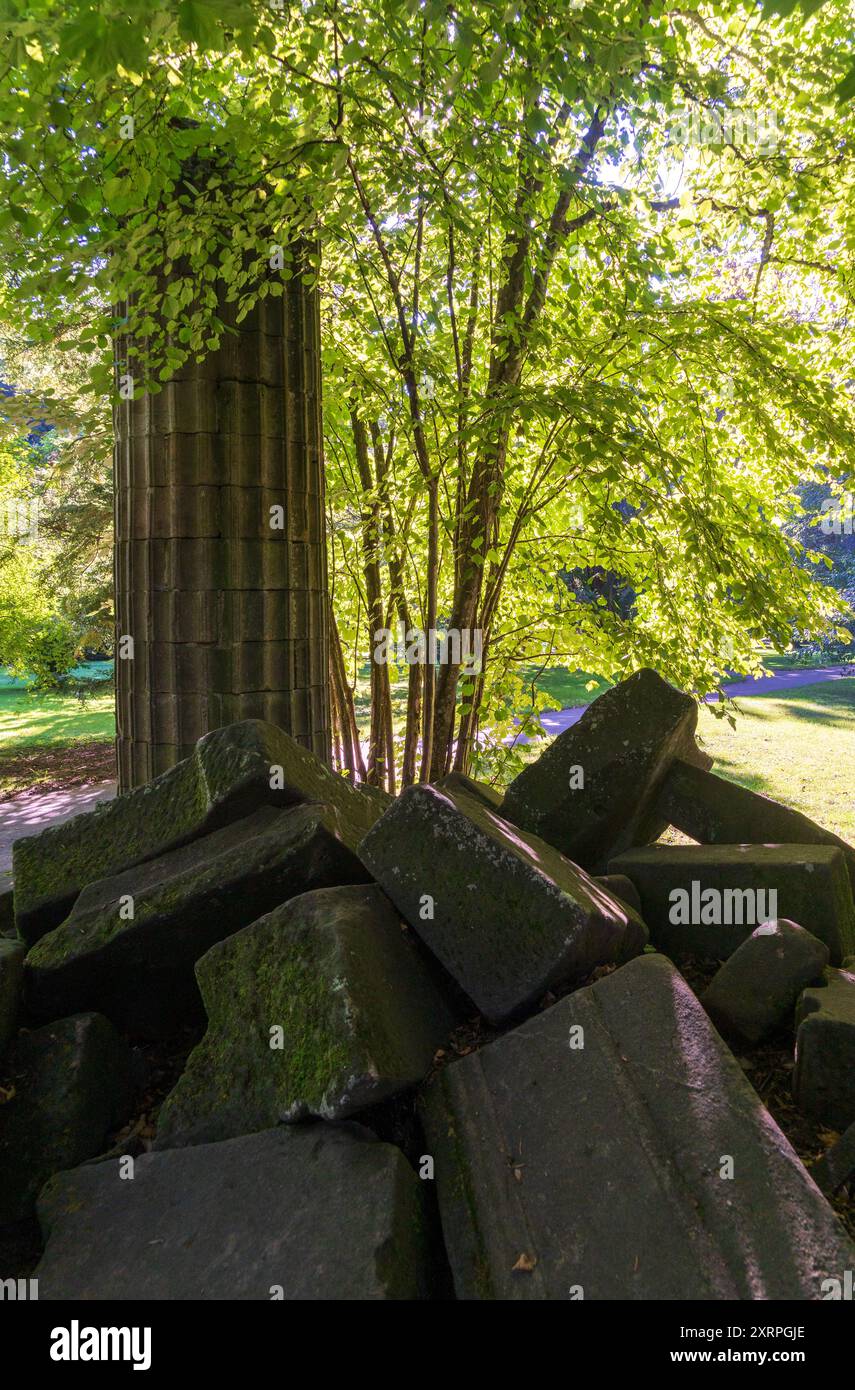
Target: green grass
789, 662
795, 747
566, 688
38, 720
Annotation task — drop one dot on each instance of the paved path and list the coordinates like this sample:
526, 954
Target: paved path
556, 721
26, 813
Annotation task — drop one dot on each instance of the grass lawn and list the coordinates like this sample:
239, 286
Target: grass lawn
40, 720
566, 688
54, 740
795, 748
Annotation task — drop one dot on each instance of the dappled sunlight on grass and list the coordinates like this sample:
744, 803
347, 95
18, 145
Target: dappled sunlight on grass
38, 719
798, 749
832, 704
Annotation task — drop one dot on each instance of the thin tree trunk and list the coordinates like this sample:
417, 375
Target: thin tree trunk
430, 624
344, 695
378, 771
341, 754
468, 731
519, 304
408, 328
401, 607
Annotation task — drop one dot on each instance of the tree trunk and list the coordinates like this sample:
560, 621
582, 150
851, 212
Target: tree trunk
220, 553
380, 773
342, 692
398, 596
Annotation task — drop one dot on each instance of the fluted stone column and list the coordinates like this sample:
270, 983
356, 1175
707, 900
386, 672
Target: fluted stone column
220, 556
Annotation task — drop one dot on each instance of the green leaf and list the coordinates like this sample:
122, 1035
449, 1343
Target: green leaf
198, 24
846, 89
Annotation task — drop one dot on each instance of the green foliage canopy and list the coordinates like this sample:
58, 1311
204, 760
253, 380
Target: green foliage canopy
585, 272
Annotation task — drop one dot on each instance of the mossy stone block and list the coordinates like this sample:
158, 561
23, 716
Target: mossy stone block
317, 1212
130, 944
231, 772
320, 1008
592, 793
506, 914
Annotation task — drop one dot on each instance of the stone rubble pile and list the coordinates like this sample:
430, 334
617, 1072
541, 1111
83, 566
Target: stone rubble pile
443, 1046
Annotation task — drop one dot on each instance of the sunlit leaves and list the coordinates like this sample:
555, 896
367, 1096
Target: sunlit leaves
663, 371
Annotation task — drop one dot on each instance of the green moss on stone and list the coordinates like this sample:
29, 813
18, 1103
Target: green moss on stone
235, 1081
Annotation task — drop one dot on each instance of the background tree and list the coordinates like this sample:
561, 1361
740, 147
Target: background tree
64, 491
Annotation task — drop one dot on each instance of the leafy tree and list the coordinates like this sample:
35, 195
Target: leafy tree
55, 517
845, 89
34, 638
68, 486
572, 256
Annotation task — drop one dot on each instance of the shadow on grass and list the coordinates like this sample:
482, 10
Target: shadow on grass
831, 705
60, 728
730, 771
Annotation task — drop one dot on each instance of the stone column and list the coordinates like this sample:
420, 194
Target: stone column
220, 555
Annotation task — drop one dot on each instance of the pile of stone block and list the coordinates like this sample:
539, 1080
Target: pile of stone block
433, 1046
